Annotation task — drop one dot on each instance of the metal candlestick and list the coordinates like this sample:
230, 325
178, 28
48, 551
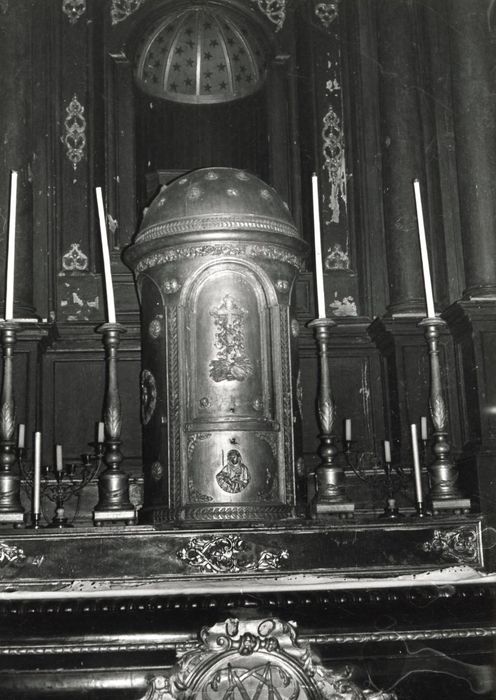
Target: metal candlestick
113, 484
391, 510
11, 510
330, 498
443, 493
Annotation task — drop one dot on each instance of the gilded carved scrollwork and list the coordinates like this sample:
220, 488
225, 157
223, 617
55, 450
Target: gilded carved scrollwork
459, 545
255, 659
74, 136
327, 12
122, 9
73, 9
229, 554
274, 10
148, 396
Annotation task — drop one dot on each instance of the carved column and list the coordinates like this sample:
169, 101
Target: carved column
17, 147
474, 110
472, 320
401, 157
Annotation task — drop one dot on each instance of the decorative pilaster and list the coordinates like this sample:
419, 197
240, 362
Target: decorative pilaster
17, 145
474, 111
401, 138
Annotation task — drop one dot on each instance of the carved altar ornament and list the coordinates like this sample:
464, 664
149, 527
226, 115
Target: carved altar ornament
274, 10
334, 159
74, 259
74, 136
229, 554
122, 9
74, 9
459, 545
327, 12
255, 660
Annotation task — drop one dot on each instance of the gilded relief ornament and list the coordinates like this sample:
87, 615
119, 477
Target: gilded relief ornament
333, 150
75, 132
74, 260
11, 554
155, 328
234, 476
157, 471
148, 395
269, 490
327, 12
74, 9
256, 660
459, 545
122, 9
231, 363
274, 10
228, 554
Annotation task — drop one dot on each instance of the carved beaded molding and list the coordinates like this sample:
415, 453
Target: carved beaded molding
216, 223
253, 251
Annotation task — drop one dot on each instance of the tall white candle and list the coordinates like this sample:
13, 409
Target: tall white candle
347, 430
319, 270
423, 428
37, 473
21, 436
9, 282
101, 432
387, 451
429, 297
59, 462
416, 465
106, 258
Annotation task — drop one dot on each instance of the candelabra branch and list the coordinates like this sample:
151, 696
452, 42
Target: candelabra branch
444, 493
11, 510
113, 484
330, 497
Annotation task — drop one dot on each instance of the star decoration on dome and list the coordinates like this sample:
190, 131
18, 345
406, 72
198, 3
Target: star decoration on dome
215, 56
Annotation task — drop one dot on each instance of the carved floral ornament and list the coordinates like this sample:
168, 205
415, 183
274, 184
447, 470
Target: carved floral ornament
73, 9
274, 10
256, 659
228, 554
74, 136
327, 12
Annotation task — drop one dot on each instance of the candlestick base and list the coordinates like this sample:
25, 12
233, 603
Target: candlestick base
422, 512
114, 504
449, 506
11, 510
391, 511
35, 522
322, 509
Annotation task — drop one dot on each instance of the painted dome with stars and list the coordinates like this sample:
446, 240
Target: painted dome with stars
201, 54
